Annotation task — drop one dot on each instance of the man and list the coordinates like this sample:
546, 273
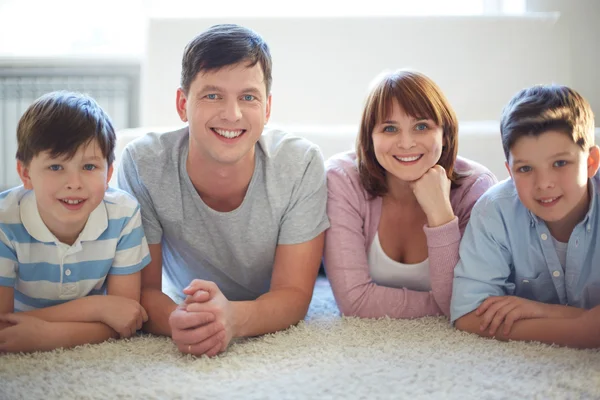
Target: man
234, 216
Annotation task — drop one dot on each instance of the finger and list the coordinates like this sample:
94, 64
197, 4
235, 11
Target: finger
439, 169
12, 318
197, 335
219, 347
198, 284
200, 296
486, 304
500, 317
489, 314
207, 345
513, 316
139, 322
144, 315
187, 320
202, 307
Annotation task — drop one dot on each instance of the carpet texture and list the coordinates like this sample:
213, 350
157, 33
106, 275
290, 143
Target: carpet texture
323, 357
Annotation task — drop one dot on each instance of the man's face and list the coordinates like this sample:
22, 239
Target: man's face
227, 110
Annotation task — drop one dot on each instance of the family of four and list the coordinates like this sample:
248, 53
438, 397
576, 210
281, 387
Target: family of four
238, 218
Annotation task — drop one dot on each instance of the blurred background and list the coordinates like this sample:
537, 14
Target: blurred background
127, 54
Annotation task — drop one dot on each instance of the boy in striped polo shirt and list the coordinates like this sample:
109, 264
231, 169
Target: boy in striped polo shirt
66, 238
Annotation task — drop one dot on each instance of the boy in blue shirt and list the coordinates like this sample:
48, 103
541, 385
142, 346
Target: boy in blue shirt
530, 258
66, 239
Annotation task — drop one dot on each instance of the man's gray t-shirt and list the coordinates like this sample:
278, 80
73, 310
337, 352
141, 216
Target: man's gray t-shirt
285, 204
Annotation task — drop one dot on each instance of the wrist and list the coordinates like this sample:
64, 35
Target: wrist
236, 319
441, 217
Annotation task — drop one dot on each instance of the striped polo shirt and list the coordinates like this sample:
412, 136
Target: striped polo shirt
45, 272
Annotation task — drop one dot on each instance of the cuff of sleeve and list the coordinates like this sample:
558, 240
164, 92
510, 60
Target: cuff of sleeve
443, 235
9, 282
131, 269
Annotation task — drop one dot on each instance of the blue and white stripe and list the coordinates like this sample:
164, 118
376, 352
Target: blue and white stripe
49, 273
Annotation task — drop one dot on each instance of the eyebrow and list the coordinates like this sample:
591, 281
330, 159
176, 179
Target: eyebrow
391, 121
561, 154
213, 88
93, 158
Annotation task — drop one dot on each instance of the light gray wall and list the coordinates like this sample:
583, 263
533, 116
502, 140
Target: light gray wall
323, 66
581, 20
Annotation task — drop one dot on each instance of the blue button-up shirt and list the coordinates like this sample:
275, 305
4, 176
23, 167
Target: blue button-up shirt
507, 250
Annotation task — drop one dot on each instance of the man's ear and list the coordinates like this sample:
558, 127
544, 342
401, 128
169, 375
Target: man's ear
268, 111
23, 171
181, 103
593, 161
508, 168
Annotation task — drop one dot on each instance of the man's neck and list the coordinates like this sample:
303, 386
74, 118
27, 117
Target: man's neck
221, 187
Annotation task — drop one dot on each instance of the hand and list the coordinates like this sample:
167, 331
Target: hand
196, 333
25, 334
124, 315
216, 304
496, 310
432, 191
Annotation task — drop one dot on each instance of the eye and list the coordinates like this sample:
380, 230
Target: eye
249, 97
55, 167
212, 96
421, 127
389, 128
523, 169
89, 167
560, 163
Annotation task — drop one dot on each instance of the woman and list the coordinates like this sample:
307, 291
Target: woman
399, 204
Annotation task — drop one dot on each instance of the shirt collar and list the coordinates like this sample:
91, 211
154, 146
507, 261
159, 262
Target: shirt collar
32, 221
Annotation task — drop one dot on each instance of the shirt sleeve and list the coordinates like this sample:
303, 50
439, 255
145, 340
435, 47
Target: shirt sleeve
132, 252
306, 216
443, 242
129, 181
347, 265
485, 261
8, 262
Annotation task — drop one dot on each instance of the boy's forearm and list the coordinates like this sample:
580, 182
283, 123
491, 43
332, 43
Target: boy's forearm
71, 334
271, 312
159, 307
4, 325
65, 335
85, 309
570, 332
560, 311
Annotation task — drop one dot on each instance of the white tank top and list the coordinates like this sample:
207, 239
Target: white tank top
387, 272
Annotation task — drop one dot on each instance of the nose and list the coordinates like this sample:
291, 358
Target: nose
404, 140
544, 179
74, 180
231, 111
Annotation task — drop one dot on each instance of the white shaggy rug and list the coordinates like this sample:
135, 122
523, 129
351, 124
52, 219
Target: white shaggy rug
323, 357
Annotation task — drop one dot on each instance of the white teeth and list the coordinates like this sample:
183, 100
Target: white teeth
549, 200
408, 159
71, 201
228, 134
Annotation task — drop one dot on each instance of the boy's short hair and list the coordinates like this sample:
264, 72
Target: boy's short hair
540, 108
60, 123
223, 45
418, 96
